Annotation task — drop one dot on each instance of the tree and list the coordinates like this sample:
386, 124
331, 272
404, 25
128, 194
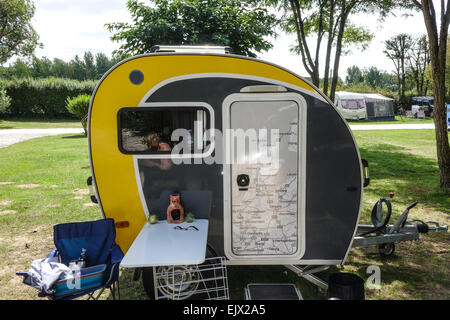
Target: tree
329, 18
60, 69
41, 68
437, 39
90, 71
102, 64
447, 69
303, 27
90, 68
373, 77
78, 68
344, 8
429, 76
241, 25
354, 76
17, 36
419, 58
316, 19
20, 69
398, 49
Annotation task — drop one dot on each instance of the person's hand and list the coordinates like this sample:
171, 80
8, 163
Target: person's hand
165, 164
142, 177
151, 163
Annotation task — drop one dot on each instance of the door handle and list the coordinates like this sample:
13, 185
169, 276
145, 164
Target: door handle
243, 181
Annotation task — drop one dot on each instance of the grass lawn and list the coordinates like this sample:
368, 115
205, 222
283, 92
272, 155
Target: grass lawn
19, 123
46, 185
398, 120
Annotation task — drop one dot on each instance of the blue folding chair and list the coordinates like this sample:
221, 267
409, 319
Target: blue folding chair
102, 258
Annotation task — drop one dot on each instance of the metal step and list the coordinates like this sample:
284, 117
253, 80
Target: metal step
272, 291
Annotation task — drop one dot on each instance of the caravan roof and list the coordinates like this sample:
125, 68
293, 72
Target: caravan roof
348, 95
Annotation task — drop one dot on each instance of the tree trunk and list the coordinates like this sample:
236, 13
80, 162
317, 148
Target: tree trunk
329, 48
327, 68
334, 81
440, 122
403, 85
308, 63
438, 52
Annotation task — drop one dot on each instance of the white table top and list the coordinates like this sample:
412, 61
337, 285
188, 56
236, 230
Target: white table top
161, 245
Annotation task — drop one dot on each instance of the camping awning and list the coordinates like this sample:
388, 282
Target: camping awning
375, 97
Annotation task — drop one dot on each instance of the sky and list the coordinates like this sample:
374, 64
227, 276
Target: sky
70, 27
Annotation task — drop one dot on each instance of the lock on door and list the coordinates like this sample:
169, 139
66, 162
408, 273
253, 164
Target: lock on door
243, 181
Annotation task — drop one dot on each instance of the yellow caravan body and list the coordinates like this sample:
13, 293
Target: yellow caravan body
113, 171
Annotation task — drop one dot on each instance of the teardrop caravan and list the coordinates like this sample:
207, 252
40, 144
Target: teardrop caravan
299, 205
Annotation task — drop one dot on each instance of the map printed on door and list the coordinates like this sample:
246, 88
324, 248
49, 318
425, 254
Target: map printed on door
265, 213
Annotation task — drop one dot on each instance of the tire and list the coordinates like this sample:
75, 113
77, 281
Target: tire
137, 274
386, 249
148, 282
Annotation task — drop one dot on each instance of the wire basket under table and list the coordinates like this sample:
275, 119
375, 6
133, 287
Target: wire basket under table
206, 281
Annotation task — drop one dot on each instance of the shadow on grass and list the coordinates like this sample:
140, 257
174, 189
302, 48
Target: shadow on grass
351, 121
77, 136
238, 278
415, 178
38, 118
405, 271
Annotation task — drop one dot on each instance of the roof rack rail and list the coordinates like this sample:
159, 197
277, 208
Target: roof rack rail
191, 49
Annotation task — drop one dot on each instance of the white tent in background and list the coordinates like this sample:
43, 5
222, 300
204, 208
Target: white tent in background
379, 107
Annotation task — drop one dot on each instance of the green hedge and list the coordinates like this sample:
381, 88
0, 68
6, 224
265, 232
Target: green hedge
31, 97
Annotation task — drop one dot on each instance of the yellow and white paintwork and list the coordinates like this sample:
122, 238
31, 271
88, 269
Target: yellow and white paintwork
113, 171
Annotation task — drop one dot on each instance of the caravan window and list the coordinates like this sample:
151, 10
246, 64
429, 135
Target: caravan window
353, 104
150, 130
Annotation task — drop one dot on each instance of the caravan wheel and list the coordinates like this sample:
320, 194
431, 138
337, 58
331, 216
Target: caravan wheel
180, 287
177, 282
174, 282
386, 249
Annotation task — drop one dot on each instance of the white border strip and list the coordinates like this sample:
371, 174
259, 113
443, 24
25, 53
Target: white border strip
229, 76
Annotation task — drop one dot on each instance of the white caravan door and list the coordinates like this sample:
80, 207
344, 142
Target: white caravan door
265, 175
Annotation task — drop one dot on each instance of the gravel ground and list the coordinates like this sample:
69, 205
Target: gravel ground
11, 136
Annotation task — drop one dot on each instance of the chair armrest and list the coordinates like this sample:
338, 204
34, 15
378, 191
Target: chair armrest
112, 274
116, 254
53, 254
113, 269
